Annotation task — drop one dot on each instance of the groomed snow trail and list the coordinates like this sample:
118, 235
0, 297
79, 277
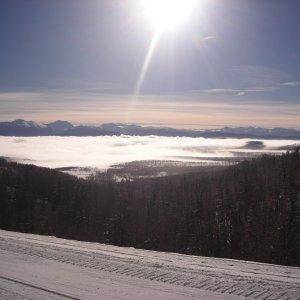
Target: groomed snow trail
42, 267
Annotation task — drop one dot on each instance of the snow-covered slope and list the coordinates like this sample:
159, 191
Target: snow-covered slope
39, 267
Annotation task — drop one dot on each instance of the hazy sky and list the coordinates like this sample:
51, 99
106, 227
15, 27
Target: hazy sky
235, 62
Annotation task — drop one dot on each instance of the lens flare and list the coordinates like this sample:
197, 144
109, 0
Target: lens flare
163, 15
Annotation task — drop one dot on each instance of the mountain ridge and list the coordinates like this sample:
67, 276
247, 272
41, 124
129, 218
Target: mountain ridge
22, 127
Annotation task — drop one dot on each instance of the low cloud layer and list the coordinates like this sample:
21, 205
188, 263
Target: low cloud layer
101, 152
195, 110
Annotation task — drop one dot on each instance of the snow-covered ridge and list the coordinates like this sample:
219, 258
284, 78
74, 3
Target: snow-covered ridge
41, 266
63, 128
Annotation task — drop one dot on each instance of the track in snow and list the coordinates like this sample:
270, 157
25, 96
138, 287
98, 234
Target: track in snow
38, 267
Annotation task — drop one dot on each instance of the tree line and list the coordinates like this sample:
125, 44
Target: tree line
247, 211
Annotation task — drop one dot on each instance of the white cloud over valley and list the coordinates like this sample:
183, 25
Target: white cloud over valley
101, 152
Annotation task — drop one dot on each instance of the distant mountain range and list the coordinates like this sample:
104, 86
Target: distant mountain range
63, 128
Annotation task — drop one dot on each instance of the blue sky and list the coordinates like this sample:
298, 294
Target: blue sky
235, 62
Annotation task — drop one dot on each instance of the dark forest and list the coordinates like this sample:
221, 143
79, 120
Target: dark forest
248, 211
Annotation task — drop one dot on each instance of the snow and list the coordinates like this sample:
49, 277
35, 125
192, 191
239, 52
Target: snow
39, 267
25, 124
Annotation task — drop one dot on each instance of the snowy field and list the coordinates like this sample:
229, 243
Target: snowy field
40, 267
104, 151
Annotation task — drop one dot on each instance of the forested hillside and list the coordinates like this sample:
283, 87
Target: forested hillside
248, 211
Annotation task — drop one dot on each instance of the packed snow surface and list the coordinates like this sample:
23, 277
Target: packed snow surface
42, 267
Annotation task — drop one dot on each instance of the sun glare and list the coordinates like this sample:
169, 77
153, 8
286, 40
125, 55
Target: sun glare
163, 15
167, 14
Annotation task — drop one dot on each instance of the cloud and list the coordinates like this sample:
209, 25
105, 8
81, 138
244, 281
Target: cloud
253, 79
259, 76
291, 83
65, 84
101, 152
198, 109
239, 91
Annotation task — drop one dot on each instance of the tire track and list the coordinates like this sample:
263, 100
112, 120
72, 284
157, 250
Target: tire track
211, 280
38, 288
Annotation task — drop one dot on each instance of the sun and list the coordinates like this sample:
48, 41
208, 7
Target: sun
167, 14
163, 15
